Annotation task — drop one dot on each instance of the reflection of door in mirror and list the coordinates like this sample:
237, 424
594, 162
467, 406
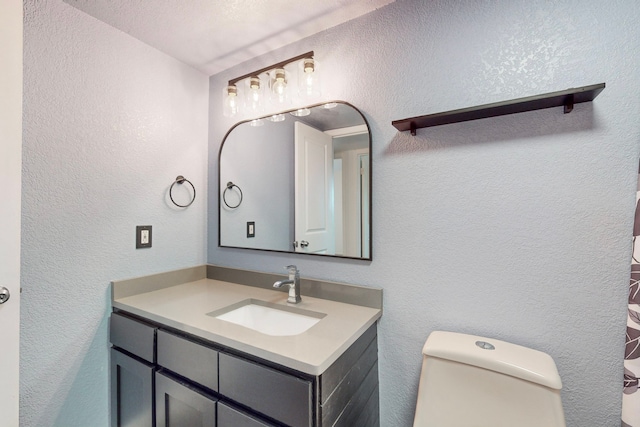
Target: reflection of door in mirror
314, 216
364, 203
352, 181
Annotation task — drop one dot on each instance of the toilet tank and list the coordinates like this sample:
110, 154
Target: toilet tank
471, 381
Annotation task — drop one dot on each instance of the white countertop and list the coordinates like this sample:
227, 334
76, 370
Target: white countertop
185, 307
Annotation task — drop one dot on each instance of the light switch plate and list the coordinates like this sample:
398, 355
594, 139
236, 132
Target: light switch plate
143, 236
251, 229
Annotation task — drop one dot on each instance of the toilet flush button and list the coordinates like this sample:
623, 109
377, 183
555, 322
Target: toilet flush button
485, 345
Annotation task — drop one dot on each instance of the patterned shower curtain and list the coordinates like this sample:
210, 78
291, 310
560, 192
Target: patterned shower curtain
631, 395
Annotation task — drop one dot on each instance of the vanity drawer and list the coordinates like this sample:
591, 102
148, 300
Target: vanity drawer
230, 417
188, 359
136, 337
281, 396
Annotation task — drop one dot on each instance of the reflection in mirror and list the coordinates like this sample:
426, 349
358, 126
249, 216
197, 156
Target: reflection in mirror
301, 183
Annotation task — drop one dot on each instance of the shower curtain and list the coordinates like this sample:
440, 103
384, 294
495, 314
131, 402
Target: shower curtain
631, 395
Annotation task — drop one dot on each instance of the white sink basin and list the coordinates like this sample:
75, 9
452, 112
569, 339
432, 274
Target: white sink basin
270, 319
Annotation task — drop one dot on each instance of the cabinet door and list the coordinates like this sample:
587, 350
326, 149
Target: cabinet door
131, 391
180, 406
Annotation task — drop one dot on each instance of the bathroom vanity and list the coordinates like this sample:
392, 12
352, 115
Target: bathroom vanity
175, 362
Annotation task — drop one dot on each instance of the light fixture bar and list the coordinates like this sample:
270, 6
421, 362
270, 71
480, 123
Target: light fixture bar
271, 67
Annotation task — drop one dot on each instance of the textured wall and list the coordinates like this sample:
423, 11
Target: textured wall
514, 227
108, 124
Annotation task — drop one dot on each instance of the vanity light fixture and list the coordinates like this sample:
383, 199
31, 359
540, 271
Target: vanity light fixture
330, 105
279, 80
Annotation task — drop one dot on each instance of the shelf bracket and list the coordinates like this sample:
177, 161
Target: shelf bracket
413, 129
568, 104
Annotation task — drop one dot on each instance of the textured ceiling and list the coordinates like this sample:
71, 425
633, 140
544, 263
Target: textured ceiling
213, 35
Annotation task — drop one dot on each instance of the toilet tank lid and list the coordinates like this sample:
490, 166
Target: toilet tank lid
499, 356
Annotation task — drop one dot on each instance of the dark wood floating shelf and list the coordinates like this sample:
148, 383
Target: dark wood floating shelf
567, 98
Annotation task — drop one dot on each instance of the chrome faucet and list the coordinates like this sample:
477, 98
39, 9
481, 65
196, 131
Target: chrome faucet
294, 284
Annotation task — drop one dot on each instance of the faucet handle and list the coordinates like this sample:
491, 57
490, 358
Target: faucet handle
292, 269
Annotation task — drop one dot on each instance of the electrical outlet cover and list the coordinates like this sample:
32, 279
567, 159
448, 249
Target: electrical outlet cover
143, 236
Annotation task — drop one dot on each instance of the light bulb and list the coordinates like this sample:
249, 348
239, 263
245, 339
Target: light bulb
309, 84
230, 104
308, 76
279, 85
308, 79
254, 95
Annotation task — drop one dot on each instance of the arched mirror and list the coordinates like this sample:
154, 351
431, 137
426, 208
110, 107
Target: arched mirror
299, 182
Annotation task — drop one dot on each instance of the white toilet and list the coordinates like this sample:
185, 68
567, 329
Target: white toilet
470, 381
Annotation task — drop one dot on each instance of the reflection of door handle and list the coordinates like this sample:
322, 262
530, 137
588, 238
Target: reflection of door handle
295, 244
304, 243
4, 295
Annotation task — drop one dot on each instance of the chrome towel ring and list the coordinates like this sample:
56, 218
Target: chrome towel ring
181, 180
230, 186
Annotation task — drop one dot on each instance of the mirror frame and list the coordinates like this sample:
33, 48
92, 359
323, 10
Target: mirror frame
370, 257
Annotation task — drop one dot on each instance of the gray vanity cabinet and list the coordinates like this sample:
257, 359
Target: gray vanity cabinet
164, 378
